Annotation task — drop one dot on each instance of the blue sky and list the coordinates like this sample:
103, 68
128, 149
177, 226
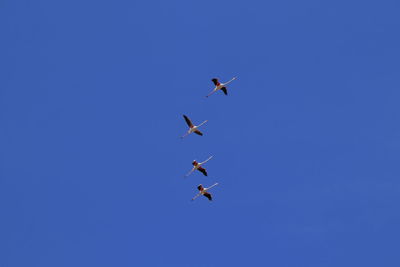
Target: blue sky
306, 145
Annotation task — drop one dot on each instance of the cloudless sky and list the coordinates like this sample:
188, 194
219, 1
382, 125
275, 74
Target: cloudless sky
306, 145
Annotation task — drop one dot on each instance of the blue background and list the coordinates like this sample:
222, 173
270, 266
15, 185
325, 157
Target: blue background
306, 145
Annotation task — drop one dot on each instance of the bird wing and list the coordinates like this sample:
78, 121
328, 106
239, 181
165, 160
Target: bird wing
208, 195
198, 132
215, 81
188, 121
224, 90
202, 170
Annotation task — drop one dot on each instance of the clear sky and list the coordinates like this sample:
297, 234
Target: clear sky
306, 145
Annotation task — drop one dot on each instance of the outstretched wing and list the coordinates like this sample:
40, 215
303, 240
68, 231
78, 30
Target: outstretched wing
202, 170
215, 81
224, 90
208, 195
198, 132
188, 121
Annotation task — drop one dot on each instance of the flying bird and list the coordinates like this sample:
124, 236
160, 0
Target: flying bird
220, 86
192, 128
203, 191
197, 166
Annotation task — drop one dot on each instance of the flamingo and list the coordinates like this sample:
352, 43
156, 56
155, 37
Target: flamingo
203, 191
220, 86
192, 128
197, 166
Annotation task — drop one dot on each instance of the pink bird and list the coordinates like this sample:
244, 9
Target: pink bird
220, 86
192, 128
203, 191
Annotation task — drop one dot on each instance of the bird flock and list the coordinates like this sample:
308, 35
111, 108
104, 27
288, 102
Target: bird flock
203, 191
